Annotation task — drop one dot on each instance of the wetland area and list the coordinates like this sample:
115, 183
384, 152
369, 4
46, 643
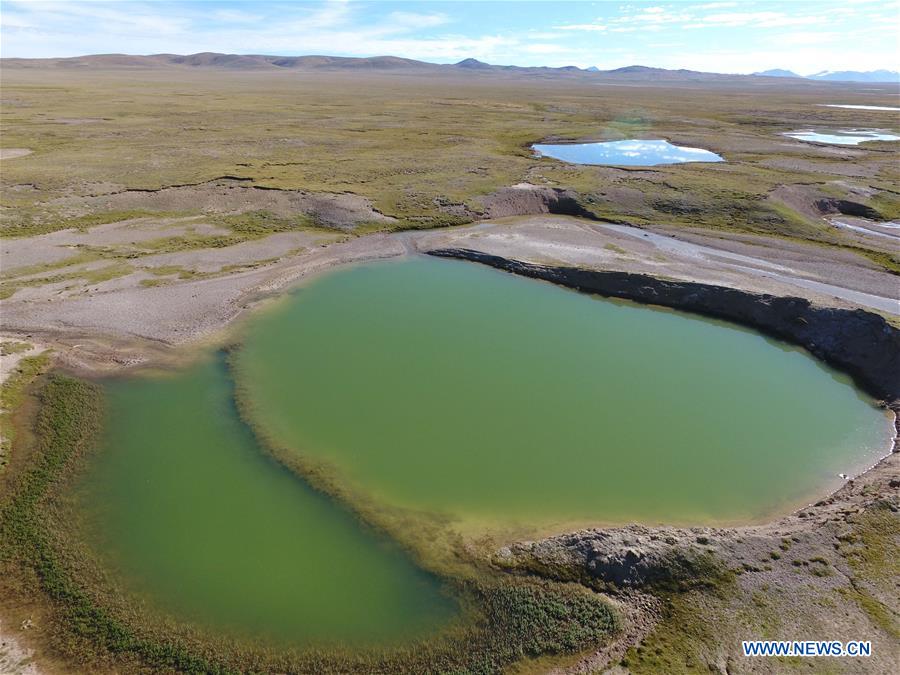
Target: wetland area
371, 380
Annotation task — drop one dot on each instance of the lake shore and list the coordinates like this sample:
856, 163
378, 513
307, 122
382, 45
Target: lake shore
119, 326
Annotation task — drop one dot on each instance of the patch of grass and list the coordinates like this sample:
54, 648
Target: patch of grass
874, 537
679, 644
11, 392
691, 570
244, 227
888, 261
190, 242
167, 271
32, 270
35, 226
872, 551
9, 347
685, 638
877, 612
93, 276
256, 224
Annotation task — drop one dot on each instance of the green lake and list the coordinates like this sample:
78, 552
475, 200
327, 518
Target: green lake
187, 507
454, 388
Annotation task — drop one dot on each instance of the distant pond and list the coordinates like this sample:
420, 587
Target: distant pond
859, 107
625, 153
844, 137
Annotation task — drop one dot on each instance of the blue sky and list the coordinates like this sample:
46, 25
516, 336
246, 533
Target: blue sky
736, 36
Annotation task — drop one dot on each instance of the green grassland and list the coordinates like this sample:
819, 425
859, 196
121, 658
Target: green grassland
418, 146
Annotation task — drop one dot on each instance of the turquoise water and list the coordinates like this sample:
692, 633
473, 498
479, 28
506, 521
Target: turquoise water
626, 153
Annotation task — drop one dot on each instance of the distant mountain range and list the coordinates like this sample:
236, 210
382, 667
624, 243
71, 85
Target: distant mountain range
257, 62
839, 75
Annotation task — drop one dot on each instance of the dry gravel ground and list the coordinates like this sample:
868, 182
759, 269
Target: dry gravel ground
755, 263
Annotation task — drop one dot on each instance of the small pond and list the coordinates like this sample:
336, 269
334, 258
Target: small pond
859, 107
625, 153
844, 137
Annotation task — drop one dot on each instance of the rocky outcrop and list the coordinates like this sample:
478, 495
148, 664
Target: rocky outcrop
857, 342
628, 557
525, 199
831, 206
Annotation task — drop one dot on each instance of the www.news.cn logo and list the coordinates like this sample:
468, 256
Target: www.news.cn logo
806, 648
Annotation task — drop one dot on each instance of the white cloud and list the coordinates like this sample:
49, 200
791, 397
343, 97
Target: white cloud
411, 20
756, 20
545, 48
47, 29
715, 5
236, 16
596, 27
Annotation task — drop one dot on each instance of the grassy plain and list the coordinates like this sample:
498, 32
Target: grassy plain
426, 149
